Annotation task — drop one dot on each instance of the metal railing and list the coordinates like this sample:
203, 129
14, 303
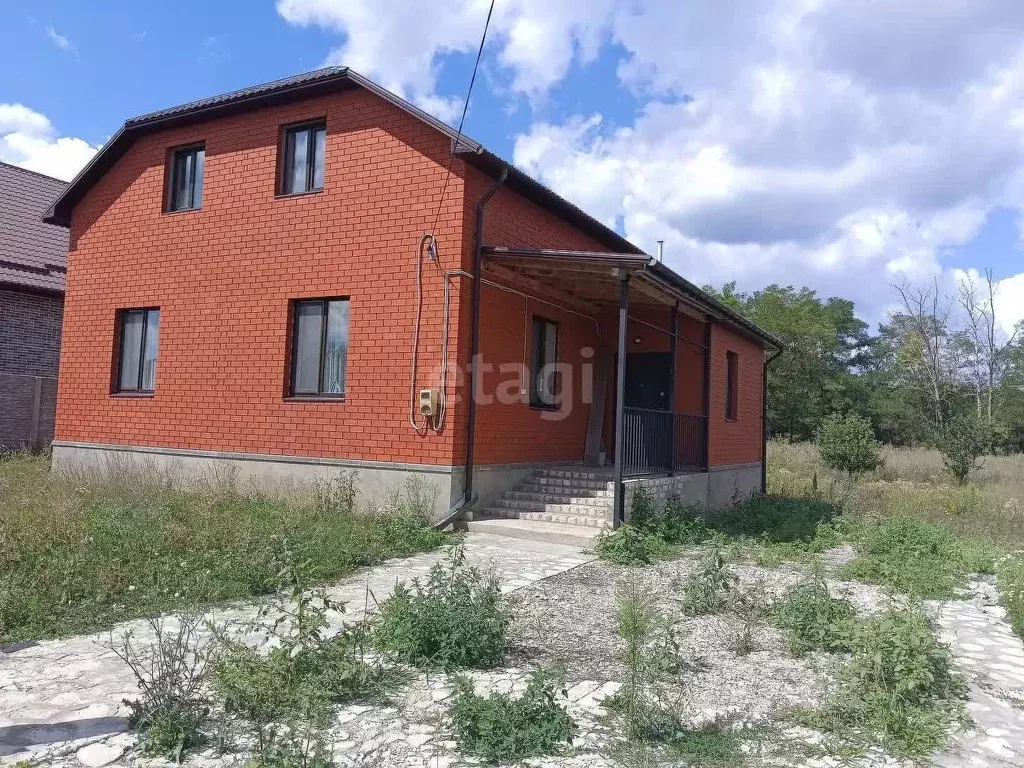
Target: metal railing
658, 442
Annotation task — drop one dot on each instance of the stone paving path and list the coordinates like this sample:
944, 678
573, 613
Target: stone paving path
993, 659
58, 696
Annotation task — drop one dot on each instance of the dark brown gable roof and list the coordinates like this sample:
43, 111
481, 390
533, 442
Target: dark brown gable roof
33, 255
305, 86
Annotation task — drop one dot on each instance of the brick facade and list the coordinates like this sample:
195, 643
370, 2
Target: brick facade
29, 332
739, 440
223, 277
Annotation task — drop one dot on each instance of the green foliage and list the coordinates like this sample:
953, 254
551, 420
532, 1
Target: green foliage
306, 671
1011, 585
708, 589
962, 444
899, 689
917, 558
630, 545
456, 618
675, 523
172, 713
813, 620
301, 747
499, 727
83, 553
847, 444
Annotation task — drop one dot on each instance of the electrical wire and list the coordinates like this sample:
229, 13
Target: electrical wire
462, 120
416, 336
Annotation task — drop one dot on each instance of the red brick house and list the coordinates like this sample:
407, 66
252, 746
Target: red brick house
280, 278
32, 265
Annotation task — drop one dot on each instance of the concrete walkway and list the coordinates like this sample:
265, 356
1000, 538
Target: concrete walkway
59, 696
992, 657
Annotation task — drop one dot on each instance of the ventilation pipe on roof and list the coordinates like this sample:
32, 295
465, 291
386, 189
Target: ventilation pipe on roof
661, 250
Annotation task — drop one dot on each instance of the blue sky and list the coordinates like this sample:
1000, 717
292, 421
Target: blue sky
821, 143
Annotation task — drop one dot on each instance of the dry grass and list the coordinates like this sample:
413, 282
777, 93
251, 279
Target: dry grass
912, 483
82, 552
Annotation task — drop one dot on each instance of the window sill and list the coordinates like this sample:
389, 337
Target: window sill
315, 399
543, 407
731, 420
287, 195
180, 211
133, 394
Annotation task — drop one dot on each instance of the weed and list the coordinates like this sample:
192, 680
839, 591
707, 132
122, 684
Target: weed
304, 673
707, 591
171, 715
1011, 585
293, 747
83, 552
499, 727
814, 620
749, 605
630, 545
456, 618
899, 689
917, 558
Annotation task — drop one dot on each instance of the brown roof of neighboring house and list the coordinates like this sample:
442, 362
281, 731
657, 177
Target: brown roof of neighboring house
33, 255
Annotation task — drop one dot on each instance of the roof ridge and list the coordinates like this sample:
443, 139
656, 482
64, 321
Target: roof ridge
301, 77
34, 173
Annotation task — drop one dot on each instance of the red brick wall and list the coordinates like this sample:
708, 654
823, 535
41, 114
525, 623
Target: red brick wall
223, 278
512, 433
736, 441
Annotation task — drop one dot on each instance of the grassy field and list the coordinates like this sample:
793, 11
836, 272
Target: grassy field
912, 483
82, 553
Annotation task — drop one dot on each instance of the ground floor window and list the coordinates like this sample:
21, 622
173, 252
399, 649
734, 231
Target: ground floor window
732, 373
544, 359
319, 347
138, 331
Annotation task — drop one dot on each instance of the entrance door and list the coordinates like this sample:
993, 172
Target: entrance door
648, 380
648, 422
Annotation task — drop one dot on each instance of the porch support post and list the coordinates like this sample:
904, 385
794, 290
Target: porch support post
618, 512
672, 390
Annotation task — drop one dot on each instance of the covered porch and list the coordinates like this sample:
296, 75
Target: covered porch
647, 413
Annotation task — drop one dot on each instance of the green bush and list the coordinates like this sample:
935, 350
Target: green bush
674, 522
83, 553
708, 590
847, 444
456, 618
814, 620
630, 545
962, 444
1011, 585
499, 727
917, 558
899, 689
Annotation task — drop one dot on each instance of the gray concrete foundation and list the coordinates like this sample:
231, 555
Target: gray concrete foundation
716, 489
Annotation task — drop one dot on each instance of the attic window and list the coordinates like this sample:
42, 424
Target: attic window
185, 178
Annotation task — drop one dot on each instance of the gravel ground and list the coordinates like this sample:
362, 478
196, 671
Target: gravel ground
569, 621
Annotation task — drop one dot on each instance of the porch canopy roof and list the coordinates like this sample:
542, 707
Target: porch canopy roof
590, 281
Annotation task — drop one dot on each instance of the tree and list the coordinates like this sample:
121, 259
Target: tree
847, 444
961, 445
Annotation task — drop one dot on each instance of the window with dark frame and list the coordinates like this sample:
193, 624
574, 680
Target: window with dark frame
319, 347
732, 371
543, 379
303, 166
185, 178
138, 331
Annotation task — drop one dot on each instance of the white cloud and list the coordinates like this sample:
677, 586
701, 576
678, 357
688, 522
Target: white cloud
28, 139
838, 143
1010, 302
59, 40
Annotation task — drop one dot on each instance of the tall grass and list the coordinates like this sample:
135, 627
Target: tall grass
912, 484
82, 552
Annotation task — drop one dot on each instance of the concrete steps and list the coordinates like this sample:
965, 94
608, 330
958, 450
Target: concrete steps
578, 502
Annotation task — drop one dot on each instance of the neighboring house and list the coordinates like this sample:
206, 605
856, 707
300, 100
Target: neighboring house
33, 256
252, 283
